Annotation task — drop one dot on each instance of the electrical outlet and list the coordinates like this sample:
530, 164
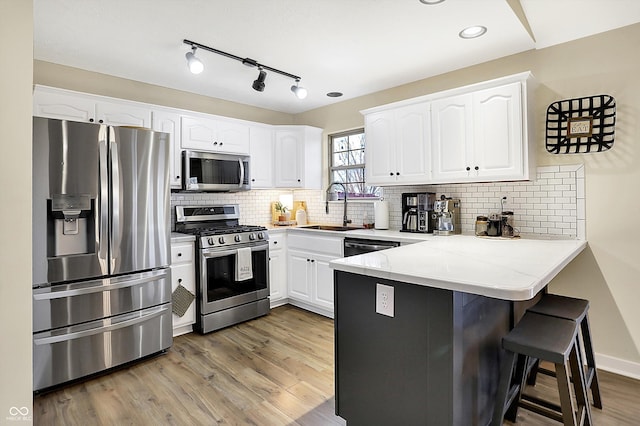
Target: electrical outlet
384, 300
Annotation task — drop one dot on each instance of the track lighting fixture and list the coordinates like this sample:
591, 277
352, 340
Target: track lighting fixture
299, 91
258, 83
196, 67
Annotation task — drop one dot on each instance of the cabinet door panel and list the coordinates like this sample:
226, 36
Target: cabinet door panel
498, 131
277, 274
233, 137
117, 114
168, 122
261, 151
413, 143
289, 159
323, 289
380, 158
452, 137
298, 276
63, 106
199, 134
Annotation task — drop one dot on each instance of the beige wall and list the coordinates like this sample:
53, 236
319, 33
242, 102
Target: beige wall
607, 273
16, 62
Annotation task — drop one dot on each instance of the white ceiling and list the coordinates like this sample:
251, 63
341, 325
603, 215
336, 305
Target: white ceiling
351, 46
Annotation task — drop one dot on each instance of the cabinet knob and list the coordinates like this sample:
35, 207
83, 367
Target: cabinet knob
313, 260
275, 242
397, 173
177, 177
468, 168
308, 260
477, 168
179, 280
215, 142
253, 180
91, 120
179, 254
390, 173
299, 180
100, 121
220, 143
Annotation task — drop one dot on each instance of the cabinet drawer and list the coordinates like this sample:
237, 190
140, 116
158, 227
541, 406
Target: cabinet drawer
277, 241
316, 244
181, 253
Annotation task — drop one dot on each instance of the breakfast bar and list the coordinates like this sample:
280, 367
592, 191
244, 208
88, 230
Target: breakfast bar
418, 328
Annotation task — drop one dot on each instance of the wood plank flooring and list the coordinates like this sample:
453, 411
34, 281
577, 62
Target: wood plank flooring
276, 370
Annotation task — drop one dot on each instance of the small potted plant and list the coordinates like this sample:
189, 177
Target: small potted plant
282, 209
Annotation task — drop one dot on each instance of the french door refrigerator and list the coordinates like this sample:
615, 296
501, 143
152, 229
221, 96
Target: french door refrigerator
101, 248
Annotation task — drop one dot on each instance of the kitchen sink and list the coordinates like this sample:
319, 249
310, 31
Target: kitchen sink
332, 227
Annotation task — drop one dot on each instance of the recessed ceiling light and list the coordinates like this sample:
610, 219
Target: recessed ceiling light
431, 1
473, 32
334, 94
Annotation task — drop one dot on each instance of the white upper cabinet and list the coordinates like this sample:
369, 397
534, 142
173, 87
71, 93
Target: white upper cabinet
298, 157
169, 122
398, 146
261, 152
479, 136
73, 106
476, 133
214, 135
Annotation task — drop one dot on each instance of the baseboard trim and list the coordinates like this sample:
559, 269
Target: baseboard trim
618, 366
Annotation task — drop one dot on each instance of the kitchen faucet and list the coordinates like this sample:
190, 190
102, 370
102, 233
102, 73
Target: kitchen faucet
326, 205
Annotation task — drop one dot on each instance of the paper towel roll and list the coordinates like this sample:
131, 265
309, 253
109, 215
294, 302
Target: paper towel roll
381, 211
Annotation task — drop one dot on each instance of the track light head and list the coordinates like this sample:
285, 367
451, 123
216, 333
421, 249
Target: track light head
258, 83
299, 91
195, 65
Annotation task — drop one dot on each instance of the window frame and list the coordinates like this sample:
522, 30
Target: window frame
331, 168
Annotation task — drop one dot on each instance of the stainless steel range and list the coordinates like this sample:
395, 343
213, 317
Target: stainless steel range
232, 265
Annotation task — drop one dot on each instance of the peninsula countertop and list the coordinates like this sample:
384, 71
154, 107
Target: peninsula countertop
509, 269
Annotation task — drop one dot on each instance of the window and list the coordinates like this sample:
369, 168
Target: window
347, 164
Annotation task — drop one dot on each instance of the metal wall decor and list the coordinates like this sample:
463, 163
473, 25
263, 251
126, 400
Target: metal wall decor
581, 125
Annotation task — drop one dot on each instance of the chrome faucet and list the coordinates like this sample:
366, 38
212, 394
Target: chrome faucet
345, 221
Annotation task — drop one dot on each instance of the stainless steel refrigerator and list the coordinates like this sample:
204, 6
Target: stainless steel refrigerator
101, 248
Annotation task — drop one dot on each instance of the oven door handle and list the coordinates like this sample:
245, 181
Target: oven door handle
215, 252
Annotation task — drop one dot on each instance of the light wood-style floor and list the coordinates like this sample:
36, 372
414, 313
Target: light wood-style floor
276, 370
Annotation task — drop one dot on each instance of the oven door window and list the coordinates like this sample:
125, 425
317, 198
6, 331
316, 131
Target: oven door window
220, 275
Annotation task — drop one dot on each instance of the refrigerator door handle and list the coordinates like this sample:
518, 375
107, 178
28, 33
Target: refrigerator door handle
103, 208
139, 318
116, 206
241, 172
100, 286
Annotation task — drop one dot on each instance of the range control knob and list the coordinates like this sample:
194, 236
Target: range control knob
221, 240
260, 235
252, 236
237, 238
210, 241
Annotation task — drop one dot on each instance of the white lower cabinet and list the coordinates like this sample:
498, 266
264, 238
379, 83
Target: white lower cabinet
277, 269
309, 276
183, 274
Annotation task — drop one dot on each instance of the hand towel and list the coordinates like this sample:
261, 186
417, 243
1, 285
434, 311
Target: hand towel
244, 271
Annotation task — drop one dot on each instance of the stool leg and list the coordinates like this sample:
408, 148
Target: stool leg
517, 387
592, 372
566, 403
579, 386
533, 373
504, 387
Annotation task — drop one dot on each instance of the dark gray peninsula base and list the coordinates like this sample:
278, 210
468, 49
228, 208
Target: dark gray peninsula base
436, 362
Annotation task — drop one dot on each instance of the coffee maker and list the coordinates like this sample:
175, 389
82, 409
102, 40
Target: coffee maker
417, 212
446, 213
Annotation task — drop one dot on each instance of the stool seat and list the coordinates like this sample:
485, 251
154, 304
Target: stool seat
561, 306
542, 337
574, 309
546, 338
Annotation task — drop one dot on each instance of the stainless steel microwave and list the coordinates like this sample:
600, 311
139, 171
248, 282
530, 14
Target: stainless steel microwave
215, 172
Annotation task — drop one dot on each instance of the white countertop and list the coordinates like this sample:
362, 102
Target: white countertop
509, 269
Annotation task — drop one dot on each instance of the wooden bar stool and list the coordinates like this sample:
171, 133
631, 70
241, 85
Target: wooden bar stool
550, 339
576, 310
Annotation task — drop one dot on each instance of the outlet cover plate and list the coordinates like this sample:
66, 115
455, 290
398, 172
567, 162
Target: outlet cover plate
384, 300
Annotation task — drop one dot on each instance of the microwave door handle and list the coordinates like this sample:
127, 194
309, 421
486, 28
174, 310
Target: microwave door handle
103, 204
241, 172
